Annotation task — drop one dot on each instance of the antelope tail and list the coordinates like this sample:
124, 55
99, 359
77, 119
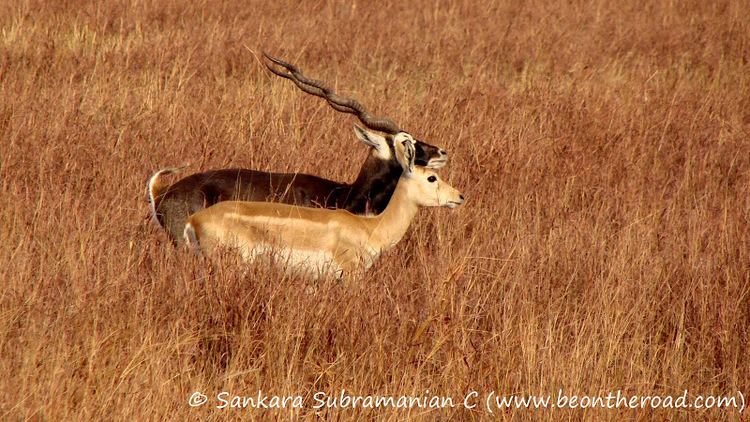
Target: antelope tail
156, 187
191, 239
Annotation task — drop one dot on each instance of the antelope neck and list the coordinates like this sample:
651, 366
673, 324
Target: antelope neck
387, 228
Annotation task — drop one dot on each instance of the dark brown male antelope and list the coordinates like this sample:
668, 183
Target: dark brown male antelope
368, 194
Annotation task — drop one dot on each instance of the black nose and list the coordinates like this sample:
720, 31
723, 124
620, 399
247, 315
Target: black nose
461, 196
444, 152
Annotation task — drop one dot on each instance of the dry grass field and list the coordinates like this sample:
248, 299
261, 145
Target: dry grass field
603, 148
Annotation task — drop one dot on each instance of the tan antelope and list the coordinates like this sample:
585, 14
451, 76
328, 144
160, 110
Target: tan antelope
368, 194
316, 241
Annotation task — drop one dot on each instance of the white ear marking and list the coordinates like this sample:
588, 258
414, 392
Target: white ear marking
405, 153
410, 154
373, 140
360, 132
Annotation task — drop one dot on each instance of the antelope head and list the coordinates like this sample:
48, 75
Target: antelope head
426, 188
383, 145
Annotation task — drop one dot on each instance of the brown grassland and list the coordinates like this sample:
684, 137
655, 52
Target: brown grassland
602, 147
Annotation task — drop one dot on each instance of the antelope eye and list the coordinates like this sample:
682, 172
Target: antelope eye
432, 179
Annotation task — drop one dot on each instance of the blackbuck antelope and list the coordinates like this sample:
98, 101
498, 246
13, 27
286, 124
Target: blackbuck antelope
315, 241
368, 194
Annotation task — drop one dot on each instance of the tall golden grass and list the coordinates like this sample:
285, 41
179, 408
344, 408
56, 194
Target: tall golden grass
602, 146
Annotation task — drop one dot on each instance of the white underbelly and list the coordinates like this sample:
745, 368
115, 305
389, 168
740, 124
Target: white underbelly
310, 263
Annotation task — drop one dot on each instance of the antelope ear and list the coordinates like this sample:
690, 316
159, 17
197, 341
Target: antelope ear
411, 155
373, 140
405, 154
